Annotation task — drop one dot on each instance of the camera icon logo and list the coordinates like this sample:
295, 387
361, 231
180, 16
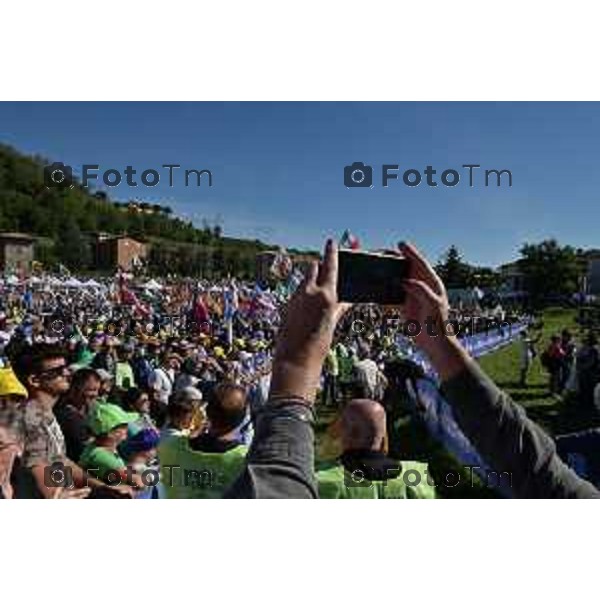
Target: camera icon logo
356, 479
58, 175
58, 475
358, 175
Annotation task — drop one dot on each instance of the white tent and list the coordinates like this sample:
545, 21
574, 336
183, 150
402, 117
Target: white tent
72, 282
152, 285
92, 283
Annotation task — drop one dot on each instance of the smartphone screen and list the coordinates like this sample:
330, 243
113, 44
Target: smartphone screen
371, 278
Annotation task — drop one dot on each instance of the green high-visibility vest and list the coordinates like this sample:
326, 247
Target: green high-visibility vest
413, 482
188, 473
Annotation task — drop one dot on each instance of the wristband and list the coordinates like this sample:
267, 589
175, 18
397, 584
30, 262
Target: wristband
278, 402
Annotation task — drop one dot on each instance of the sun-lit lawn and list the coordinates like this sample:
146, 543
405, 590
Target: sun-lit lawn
503, 367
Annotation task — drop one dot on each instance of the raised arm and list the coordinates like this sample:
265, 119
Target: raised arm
496, 426
280, 463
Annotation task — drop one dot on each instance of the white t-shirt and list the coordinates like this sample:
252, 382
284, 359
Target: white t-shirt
163, 384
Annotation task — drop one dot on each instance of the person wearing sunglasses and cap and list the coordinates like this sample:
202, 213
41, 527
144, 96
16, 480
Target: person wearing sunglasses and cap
45, 471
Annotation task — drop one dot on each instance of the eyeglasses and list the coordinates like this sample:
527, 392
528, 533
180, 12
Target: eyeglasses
60, 371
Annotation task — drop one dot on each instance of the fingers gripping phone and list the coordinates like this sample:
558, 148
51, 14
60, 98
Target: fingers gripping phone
365, 277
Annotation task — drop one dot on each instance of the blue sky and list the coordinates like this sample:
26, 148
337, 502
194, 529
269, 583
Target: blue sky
278, 167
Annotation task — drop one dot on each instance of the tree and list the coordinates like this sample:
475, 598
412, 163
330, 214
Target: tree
550, 270
74, 249
454, 272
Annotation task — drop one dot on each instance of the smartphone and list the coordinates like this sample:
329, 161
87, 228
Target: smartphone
365, 278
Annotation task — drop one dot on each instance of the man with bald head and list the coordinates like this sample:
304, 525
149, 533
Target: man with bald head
364, 470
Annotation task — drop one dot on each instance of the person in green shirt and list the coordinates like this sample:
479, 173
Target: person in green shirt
346, 369
364, 471
124, 376
108, 424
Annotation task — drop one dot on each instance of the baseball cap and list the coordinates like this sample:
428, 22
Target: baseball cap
105, 417
142, 441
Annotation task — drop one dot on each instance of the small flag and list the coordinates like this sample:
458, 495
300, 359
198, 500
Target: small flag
349, 240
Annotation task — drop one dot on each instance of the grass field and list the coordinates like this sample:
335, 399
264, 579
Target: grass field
503, 367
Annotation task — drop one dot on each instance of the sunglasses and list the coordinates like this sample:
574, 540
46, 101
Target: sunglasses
61, 371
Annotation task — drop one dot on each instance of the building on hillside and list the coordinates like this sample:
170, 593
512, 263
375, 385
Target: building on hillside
118, 251
16, 252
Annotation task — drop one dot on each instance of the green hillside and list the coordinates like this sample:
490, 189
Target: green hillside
63, 219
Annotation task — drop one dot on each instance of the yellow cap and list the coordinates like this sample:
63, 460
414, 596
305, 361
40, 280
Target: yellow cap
10, 385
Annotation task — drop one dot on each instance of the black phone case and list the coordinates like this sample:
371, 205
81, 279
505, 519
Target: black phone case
371, 278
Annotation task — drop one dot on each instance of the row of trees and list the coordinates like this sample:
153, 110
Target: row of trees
456, 273
548, 269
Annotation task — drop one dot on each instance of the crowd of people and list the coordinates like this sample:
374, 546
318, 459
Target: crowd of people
188, 389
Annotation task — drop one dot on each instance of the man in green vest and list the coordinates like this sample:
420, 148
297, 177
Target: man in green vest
205, 466
364, 471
